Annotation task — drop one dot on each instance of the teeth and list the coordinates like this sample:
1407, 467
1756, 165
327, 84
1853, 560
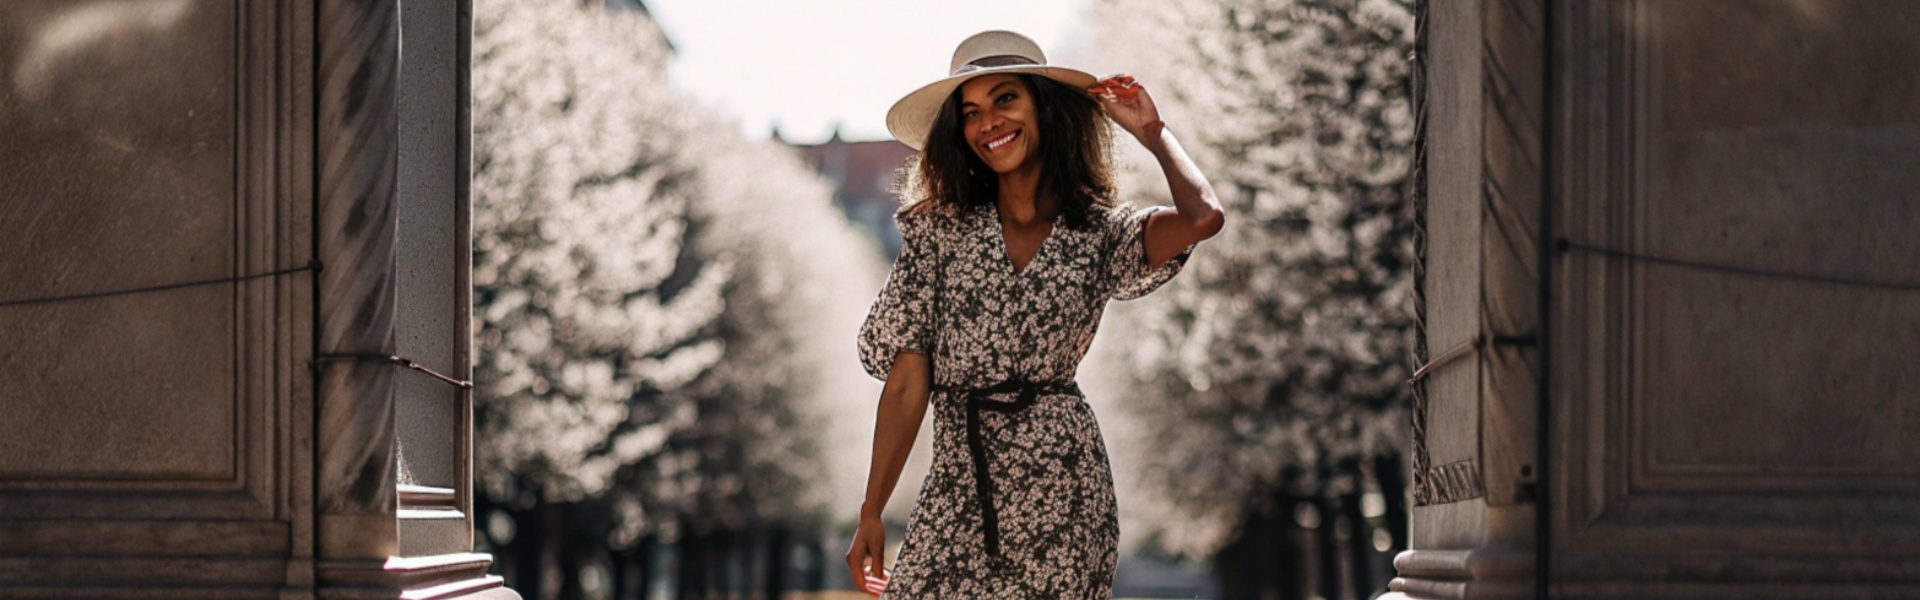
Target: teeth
996, 144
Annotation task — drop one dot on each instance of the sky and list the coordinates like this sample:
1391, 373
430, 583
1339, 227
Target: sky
808, 65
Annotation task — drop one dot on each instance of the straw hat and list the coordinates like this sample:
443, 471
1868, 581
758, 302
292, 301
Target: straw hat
985, 53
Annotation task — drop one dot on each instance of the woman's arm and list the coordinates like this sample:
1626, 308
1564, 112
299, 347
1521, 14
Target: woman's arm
903, 404
1197, 215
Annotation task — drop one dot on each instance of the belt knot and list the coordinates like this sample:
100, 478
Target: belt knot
1026, 392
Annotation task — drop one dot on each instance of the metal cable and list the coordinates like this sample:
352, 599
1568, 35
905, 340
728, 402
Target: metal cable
1417, 201
310, 266
1569, 245
394, 360
313, 266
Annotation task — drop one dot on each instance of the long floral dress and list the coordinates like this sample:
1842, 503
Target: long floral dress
1005, 345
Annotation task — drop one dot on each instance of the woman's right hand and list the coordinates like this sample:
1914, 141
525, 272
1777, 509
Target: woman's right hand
866, 560
903, 403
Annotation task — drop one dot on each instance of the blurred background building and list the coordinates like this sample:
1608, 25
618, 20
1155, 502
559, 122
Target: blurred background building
862, 175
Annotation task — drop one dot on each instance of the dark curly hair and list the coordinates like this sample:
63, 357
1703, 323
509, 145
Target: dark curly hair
1075, 152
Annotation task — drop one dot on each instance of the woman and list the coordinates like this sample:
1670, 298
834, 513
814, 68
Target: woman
1013, 244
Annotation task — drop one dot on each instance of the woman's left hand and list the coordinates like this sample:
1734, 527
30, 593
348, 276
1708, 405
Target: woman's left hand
1126, 102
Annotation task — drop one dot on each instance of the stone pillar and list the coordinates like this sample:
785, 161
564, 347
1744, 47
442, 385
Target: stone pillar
1670, 302
377, 538
433, 420
1473, 524
357, 150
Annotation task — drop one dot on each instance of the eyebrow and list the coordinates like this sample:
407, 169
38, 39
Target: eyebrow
990, 92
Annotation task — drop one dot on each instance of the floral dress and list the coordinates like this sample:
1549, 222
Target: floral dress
1005, 345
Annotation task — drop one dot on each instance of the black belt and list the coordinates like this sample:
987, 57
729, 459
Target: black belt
977, 400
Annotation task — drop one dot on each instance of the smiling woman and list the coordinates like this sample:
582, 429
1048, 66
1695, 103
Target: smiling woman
993, 128
1014, 244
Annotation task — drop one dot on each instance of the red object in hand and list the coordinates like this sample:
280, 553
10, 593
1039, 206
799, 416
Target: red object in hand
875, 586
1121, 91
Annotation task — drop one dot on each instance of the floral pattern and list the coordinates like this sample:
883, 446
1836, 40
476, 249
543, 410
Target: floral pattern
954, 293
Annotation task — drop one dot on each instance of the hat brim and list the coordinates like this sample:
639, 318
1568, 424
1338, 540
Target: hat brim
911, 118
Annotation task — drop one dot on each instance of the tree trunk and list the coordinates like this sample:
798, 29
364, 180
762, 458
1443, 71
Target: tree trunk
1359, 549
1391, 472
573, 553
1266, 561
817, 567
632, 569
553, 550
733, 572
535, 544
693, 566
1326, 549
779, 561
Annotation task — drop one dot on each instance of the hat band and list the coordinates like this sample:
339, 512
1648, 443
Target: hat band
986, 62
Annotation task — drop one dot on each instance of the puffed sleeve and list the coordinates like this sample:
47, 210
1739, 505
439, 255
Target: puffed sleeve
901, 319
1128, 274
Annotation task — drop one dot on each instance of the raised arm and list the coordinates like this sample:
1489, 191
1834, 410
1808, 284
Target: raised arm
1196, 215
903, 404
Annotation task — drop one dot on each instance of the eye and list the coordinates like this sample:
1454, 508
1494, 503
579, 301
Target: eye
1004, 98
969, 115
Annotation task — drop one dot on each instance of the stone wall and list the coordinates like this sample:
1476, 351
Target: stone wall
214, 235
1670, 300
1736, 308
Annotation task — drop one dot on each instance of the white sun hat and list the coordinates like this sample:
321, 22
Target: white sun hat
985, 53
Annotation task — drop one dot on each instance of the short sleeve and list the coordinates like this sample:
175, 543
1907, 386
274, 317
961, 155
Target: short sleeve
901, 319
1127, 270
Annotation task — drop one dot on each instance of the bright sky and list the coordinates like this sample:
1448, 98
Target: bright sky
809, 64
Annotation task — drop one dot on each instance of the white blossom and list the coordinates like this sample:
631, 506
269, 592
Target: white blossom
654, 294
1284, 348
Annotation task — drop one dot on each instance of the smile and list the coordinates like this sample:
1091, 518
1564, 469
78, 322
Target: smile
994, 145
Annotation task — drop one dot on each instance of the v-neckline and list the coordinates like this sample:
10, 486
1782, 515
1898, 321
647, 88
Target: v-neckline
1006, 250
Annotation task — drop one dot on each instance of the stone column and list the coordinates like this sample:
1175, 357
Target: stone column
356, 502
1474, 521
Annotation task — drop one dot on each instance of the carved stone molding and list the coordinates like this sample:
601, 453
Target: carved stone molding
1454, 483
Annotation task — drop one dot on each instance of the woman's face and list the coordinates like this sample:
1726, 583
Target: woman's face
998, 119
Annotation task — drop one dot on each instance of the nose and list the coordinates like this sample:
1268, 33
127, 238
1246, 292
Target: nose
988, 122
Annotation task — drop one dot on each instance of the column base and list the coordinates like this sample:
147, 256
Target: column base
1462, 575
441, 577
